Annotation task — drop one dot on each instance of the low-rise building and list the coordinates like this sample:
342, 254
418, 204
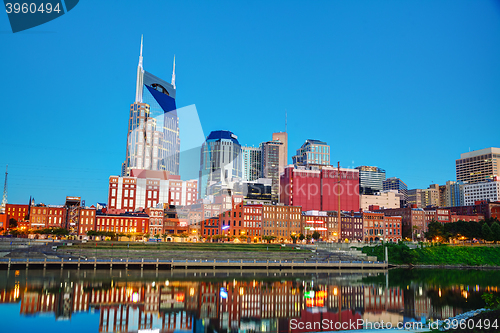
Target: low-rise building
384, 199
281, 221
413, 219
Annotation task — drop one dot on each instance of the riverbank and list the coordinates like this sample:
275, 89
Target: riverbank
171, 251
439, 256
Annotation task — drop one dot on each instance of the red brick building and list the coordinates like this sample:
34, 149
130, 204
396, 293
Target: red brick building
48, 217
148, 188
17, 212
127, 223
413, 219
87, 220
281, 221
231, 216
317, 188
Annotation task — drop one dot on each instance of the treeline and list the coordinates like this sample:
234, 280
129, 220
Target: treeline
488, 230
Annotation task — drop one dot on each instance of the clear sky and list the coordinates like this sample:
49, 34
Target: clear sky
403, 85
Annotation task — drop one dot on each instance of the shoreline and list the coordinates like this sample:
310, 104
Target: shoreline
482, 267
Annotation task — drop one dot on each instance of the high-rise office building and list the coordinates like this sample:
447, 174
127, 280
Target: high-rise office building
283, 138
270, 165
371, 179
394, 183
485, 191
312, 152
415, 197
479, 166
252, 163
220, 163
454, 194
430, 196
153, 141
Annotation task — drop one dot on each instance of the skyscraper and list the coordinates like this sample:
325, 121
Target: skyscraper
270, 165
252, 163
220, 163
283, 138
371, 179
479, 166
312, 152
394, 183
153, 141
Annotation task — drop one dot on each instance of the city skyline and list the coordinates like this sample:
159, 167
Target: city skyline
397, 87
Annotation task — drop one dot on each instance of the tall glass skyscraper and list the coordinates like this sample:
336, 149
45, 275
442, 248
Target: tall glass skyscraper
312, 152
153, 141
371, 179
220, 163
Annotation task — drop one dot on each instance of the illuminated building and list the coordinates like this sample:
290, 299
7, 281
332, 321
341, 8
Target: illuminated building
153, 141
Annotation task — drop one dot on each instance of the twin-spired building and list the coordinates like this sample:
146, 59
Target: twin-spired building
153, 128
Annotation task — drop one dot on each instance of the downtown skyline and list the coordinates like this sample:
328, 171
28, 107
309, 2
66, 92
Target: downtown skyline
402, 108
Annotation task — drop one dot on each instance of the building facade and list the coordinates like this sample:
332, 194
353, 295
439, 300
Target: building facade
220, 163
283, 159
271, 152
283, 222
371, 179
252, 163
394, 183
479, 166
146, 189
318, 189
485, 191
385, 199
413, 221
312, 152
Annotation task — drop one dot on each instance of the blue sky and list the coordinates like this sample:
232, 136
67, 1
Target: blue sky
403, 85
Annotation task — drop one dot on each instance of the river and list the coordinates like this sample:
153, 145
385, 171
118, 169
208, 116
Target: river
188, 301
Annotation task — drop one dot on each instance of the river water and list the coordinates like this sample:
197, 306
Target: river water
187, 301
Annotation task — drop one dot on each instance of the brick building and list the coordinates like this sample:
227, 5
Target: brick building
281, 221
317, 188
125, 223
413, 219
147, 188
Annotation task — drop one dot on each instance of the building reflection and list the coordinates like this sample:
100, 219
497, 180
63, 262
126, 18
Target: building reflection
232, 305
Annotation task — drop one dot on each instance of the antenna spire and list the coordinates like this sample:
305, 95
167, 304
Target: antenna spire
4, 199
173, 74
140, 75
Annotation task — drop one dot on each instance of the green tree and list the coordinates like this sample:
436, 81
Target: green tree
495, 229
316, 235
486, 232
147, 236
294, 238
269, 239
164, 236
435, 230
302, 237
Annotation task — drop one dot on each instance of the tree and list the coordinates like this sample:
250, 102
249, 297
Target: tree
486, 232
269, 239
436, 231
147, 236
164, 236
157, 236
294, 238
495, 229
301, 237
12, 223
316, 235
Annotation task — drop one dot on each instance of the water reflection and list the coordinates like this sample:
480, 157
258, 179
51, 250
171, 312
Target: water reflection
130, 301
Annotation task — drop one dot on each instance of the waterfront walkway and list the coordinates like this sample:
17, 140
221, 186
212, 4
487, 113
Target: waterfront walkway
187, 264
